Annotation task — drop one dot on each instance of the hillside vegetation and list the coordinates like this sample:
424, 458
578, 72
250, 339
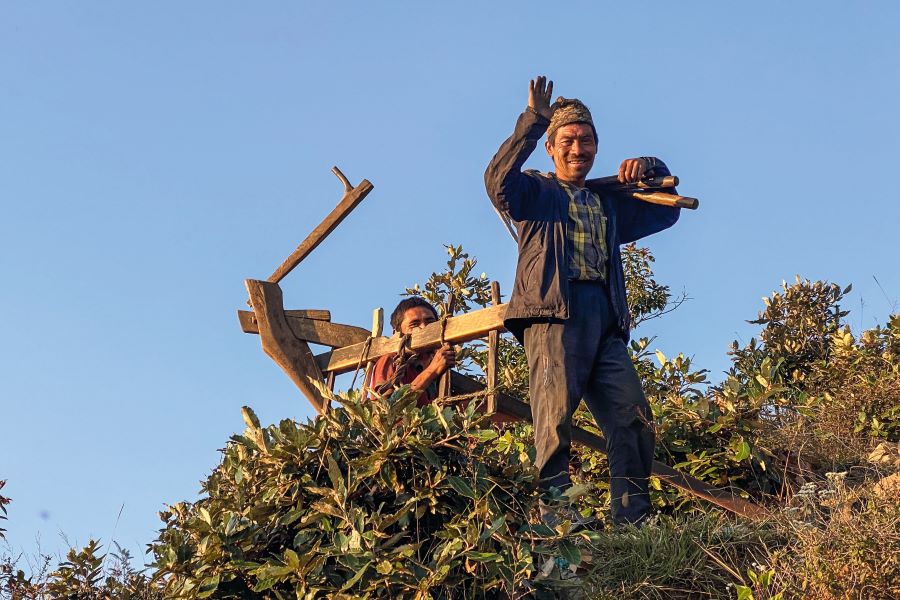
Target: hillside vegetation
381, 499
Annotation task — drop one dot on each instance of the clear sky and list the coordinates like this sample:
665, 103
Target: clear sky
154, 155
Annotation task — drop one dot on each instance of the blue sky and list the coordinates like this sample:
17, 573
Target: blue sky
154, 155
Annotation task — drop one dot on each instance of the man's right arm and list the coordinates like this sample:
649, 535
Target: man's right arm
506, 185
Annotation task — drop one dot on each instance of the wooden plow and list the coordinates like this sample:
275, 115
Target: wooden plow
286, 334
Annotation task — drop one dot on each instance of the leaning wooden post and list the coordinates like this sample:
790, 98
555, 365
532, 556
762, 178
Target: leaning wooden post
281, 345
352, 197
493, 350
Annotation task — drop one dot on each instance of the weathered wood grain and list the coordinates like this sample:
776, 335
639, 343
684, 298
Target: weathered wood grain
352, 197
279, 342
310, 313
493, 348
377, 322
248, 320
311, 330
667, 199
462, 328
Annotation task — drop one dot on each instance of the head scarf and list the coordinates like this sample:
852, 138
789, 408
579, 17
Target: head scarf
568, 111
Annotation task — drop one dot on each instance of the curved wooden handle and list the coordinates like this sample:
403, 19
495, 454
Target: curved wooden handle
352, 197
667, 199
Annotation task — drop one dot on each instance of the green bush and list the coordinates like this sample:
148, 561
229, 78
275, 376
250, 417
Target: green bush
381, 499
377, 498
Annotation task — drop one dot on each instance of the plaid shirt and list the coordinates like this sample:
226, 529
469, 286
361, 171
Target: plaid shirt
586, 234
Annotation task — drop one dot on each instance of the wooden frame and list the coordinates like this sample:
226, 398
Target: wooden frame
285, 336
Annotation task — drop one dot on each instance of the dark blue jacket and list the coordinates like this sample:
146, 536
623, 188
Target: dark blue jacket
539, 208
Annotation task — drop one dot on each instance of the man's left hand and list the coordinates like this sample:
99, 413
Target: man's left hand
632, 170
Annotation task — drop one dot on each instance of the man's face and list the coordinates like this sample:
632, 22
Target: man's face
416, 318
573, 151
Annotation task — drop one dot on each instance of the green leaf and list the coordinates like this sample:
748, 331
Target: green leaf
570, 552
577, 490
702, 407
743, 451
291, 559
461, 486
743, 592
359, 573
431, 457
495, 525
484, 556
384, 567
264, 584
250, 418
483, 435
208, 587
536, 529
335, 475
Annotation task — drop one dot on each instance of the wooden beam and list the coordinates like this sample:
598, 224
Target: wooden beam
248, 320
279, 342
463, 328
510, 407
493, 348
311, 330
377, 322
310, 313
352, 197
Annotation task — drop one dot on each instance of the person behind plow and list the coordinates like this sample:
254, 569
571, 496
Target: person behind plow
421, 372
568, 305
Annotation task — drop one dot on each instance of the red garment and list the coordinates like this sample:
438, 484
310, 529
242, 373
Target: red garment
384, 371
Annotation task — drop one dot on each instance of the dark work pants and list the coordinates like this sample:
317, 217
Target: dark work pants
583, 357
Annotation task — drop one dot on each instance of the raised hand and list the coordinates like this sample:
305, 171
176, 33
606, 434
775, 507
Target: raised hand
540, 91
632, 170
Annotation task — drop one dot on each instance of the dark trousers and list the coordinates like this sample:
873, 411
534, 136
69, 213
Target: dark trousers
583, 357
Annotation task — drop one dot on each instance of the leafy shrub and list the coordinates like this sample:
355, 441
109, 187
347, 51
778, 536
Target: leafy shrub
86, 574
382, 499
376, 499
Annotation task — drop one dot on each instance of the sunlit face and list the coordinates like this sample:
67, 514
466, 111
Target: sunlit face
573, 151
416, 318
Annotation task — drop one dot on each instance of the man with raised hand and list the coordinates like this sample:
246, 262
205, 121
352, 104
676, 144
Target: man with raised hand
568, 303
